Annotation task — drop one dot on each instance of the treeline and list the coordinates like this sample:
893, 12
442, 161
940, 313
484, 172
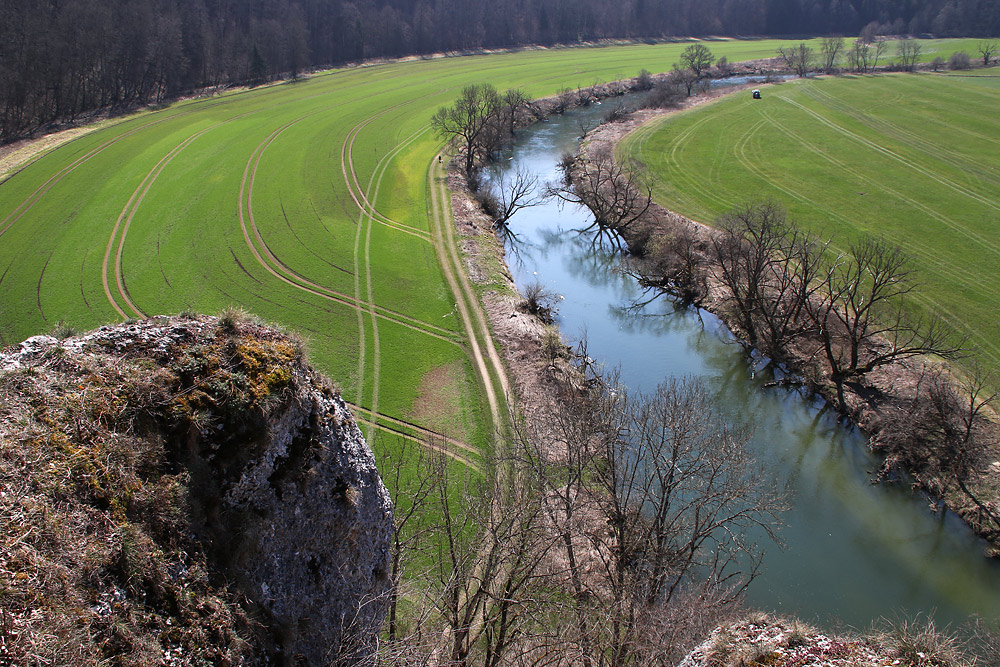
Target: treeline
63, 58
834, 318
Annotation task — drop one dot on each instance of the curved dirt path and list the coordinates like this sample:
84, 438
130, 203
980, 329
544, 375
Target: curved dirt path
354, 186
466, 299
279, 270
426, 432
42, 189
128, 212
366, 218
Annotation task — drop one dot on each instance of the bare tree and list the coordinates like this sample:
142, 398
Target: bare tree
514, 101
411, 497
864, 55
697, 58
942, 433
963, 448
870, 32
799, 58
564, 100
617, 194
861, 317
678, 261
575, 427
770, 271
656, 502
468, 120
831, 48
491, 544
682, 501
880, 45
512, 193
908, 51
683, 76
986, 49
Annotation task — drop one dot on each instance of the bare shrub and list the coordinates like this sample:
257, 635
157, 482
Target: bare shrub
616, 113
644, 81
959, 60
539, 301
552, 344
63, 330
231, 318
665, 95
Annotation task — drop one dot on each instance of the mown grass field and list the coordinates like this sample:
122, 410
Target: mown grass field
315, 205
914, 158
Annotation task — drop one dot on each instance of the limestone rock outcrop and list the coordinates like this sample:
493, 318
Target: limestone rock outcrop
181, 489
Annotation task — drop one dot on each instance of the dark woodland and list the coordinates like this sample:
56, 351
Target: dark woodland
63, 59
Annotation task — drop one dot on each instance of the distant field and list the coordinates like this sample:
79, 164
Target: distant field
316, 205
913, 158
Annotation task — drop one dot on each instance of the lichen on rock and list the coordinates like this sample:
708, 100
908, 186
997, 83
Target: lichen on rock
184, 489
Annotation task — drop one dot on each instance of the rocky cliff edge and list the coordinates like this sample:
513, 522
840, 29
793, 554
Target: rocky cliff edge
184, 491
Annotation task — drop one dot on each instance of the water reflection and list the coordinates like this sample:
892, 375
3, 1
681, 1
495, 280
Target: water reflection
854, 551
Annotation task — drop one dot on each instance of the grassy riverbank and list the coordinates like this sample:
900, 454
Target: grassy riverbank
910, 158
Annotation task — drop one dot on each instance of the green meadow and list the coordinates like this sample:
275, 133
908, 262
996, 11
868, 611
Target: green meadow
312, 205
913, 158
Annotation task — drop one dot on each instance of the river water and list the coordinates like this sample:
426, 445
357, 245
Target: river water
853, 551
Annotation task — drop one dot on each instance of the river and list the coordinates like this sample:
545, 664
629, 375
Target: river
853, 551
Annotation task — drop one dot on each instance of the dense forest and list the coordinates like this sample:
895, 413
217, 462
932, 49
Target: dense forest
63, 58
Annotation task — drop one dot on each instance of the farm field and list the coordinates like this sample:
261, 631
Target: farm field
914, 158
316, 205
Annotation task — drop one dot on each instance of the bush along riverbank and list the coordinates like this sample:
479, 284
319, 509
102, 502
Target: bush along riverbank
833, 323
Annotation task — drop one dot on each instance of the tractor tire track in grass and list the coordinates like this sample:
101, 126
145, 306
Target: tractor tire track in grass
465, 297
354, 186
958, 273
38, 288
428, 444
369, 215
366, 218
126, 216
982, 172
960, 189
688, 177
42, 189
283, 273
420, 430
751, 165
83, 281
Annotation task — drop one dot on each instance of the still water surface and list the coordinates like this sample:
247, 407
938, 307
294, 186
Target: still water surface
853, 551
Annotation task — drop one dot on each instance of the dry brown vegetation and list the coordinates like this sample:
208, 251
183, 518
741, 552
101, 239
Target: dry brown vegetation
840, 323
108, 517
